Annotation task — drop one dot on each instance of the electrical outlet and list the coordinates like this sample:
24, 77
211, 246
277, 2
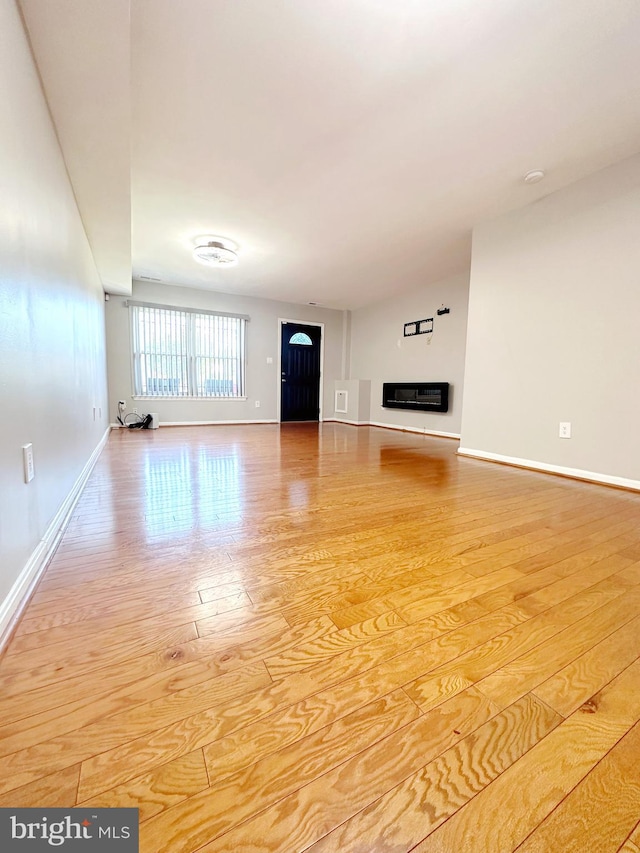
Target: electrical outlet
564, 430
269, 360
27, 460
257, 404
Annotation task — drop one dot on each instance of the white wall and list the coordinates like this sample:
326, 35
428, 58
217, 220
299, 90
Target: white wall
554, 329
379, 351
262, 342
52, 342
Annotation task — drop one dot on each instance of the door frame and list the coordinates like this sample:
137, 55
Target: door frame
281, 322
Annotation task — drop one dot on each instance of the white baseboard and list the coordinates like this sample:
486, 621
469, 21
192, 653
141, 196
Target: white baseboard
338, 420
215, 423
545, 467
13, 605
334, 419
205, 423
419, 430
400, 428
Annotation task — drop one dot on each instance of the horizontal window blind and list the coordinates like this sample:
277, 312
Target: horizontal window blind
181, 353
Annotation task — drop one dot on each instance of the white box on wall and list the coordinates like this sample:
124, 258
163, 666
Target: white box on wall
352, 400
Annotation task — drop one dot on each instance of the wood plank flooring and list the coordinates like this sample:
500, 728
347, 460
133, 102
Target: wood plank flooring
329, 638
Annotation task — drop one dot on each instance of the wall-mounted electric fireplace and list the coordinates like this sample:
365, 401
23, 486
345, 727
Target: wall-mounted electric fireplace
416, 396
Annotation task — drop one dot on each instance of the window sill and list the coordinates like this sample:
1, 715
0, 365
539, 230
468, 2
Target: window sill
194, 399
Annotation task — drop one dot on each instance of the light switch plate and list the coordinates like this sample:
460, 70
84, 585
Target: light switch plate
27, 459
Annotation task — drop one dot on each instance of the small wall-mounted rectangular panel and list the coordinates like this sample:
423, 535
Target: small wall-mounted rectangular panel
341, 402
27, 462
416, 396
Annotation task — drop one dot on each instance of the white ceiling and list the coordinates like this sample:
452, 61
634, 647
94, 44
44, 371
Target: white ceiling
347, 146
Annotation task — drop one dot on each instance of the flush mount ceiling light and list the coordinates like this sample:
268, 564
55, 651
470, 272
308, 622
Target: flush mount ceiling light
534, 176
215, 251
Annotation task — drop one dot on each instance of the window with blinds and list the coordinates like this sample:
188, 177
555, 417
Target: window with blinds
186, 353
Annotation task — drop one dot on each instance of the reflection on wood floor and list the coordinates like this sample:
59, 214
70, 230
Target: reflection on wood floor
333, 639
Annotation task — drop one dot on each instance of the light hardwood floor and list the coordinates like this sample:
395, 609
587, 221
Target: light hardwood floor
333, 639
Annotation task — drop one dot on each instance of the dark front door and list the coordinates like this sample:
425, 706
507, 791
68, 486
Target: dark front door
300, 351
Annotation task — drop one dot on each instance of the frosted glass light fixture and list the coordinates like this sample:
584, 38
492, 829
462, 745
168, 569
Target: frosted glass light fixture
215, 252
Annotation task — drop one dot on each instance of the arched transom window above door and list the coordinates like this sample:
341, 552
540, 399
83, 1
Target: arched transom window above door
302, 339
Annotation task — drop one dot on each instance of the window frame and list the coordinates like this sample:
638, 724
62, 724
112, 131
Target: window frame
191, 353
